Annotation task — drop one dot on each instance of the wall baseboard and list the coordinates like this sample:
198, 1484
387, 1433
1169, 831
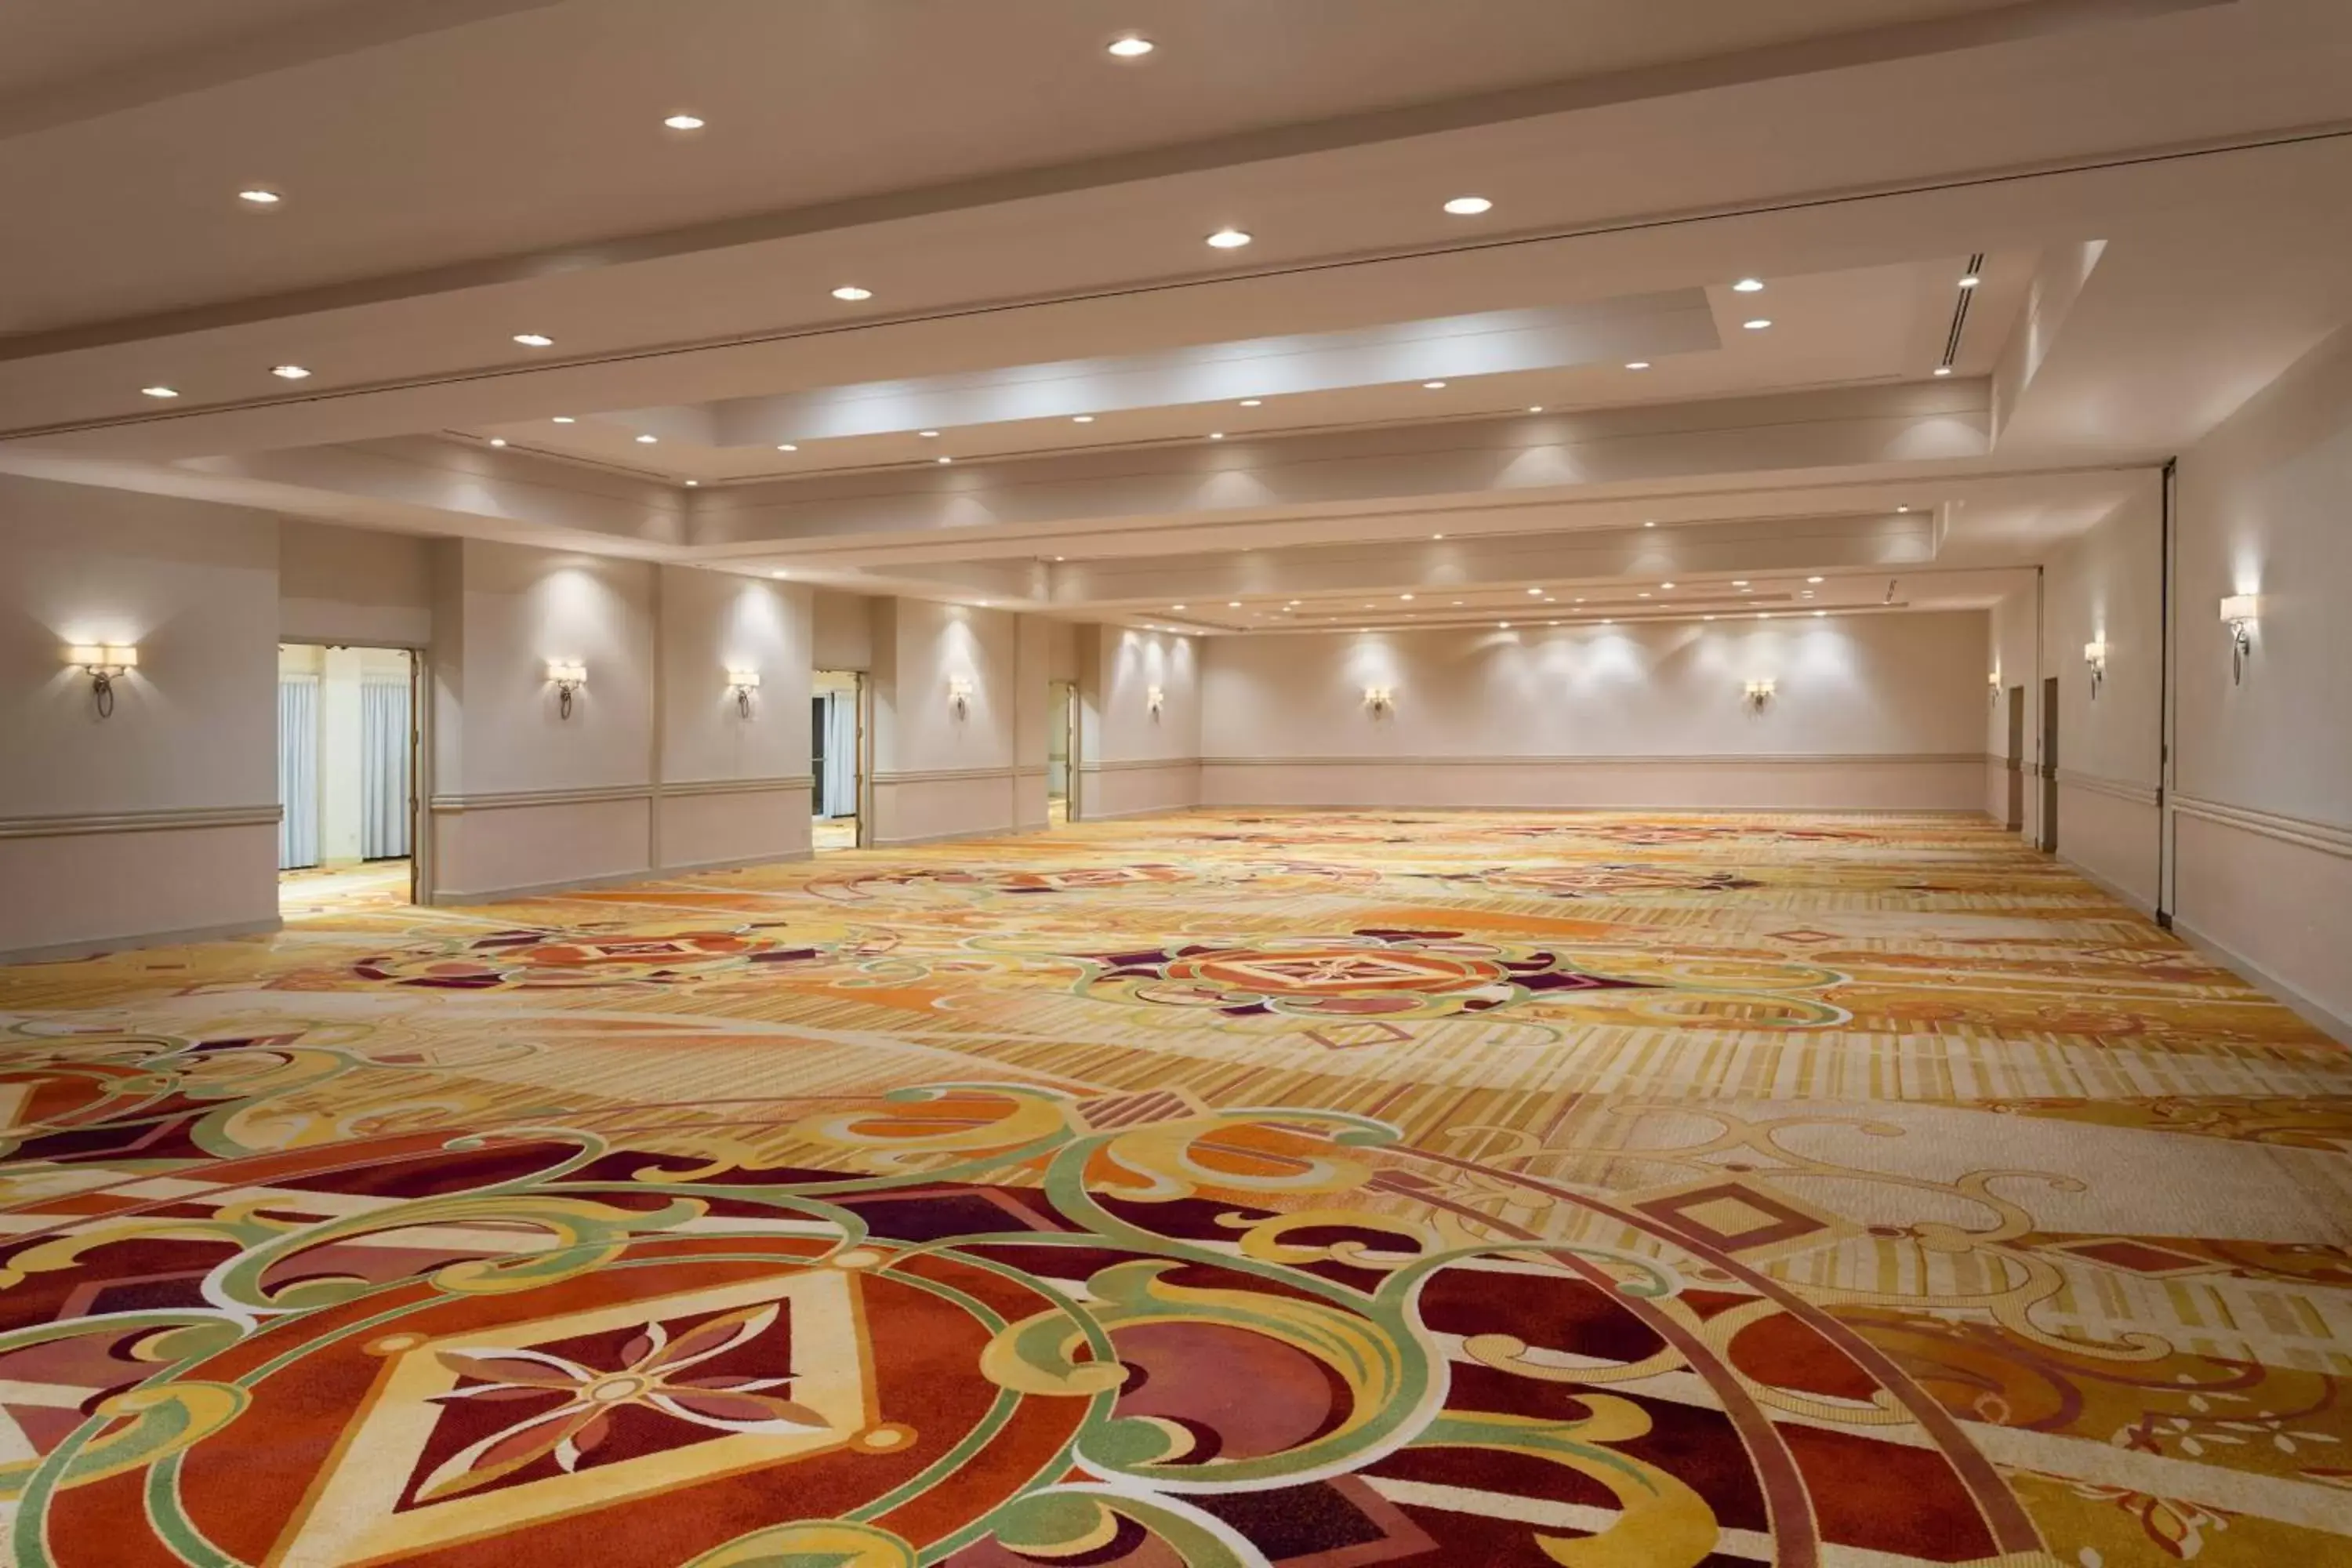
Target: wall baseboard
690, 867
66, 952
1957, 812
2331, 1024
2120, 894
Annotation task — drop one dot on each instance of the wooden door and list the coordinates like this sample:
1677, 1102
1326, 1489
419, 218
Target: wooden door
2017, 759
2050, 765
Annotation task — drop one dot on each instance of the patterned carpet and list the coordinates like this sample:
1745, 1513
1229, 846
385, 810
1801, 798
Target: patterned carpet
1315, 1190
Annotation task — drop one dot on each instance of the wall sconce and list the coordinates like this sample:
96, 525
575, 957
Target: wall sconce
960, 695
743, 683
1154, 698
2237, 611
1381, 700
2095, 654
568, 675
1992, 688
1759, 692
102, 663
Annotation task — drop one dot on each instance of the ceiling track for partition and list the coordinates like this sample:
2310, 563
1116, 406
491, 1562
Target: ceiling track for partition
1961, 313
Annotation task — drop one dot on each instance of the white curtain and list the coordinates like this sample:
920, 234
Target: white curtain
384, 769
840, 754
298, 771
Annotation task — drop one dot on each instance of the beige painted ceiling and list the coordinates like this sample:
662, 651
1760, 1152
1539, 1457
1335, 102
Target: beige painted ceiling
2153, 188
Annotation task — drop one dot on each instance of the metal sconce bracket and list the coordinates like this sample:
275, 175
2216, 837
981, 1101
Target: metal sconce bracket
103, 664
570, 675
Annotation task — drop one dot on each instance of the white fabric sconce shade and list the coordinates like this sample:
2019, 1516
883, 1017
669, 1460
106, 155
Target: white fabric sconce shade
1759, 692
2242, 607
960, 695
568, 675
102, 662
2095, 654
1153, 699
1379, 698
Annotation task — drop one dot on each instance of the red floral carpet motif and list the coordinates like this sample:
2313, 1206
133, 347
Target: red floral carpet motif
1566, 1191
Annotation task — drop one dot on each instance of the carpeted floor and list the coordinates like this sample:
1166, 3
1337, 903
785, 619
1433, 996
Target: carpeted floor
1320, 1190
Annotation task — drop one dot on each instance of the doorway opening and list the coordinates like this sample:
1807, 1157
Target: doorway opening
2017, 759
346, 779
1061, 750
837, 760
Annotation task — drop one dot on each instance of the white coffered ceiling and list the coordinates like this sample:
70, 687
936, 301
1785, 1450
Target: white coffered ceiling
2149, 192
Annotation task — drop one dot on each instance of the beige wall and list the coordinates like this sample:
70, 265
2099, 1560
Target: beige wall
164, 818
2262, 802
2108, 586
656, 769
351, 585
1134, 761
1871, 711
944, 770
843, 634
733, 787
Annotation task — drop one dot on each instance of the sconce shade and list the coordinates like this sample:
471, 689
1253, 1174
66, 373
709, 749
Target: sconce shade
749, 679
2242, 607
94, 657
2095, 652
567, 671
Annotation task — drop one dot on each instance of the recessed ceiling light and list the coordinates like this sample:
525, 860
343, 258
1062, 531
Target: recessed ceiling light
1969, 279
289, 371
1758, 324
1253, 401
1432, 385
1229, 239
928, 435
1649, 523
1607, 621
1535, 408
788, 447
1902, 509
1175, 607
1746, 589
777, 574
1943, 370
1707, 618
1233, 604
1437, 536
1082, 418
690, 484
943, 459
1502, 625
259, 197
1637, 364
1535, 590
1740, 582
565, 419
1641, 595
647, 440
1579, 598
1763, 614
1407, 597
160, 391
1216, 435
1813, 579
1749, 286
1130, 47
1468, 207
853, 293
1819, 614
534, 340
684, 123
498, 440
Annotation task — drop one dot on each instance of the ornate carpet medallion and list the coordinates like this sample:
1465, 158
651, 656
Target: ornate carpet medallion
1584, 1191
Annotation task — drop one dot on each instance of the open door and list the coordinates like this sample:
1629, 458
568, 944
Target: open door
837, 756
2050, 765
1061, 752
2017, 759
